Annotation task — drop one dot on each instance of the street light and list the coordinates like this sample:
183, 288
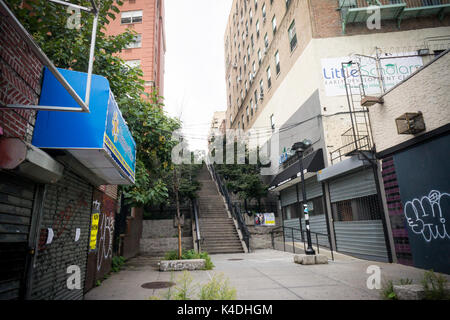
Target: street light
300, 148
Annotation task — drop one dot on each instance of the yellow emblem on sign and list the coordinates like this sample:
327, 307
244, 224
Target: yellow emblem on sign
115, 126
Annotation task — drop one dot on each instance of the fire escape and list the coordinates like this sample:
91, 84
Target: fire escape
357, 140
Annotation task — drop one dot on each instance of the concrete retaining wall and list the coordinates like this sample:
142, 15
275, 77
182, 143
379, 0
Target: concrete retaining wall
164, 229
159, 246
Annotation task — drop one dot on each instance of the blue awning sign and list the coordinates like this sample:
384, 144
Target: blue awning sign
100, 140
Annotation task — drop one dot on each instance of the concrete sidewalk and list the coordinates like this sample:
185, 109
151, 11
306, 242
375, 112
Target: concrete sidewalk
261, 275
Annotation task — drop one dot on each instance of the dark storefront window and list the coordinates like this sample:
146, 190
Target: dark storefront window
364, 208
293, 211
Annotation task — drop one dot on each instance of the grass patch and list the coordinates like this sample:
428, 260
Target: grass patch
217, 288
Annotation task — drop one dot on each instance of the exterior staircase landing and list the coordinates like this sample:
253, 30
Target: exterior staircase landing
217, 230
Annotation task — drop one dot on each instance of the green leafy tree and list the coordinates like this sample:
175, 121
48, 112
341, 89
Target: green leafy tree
69, 48
243, 179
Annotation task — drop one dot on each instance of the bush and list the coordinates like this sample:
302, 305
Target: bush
189, 255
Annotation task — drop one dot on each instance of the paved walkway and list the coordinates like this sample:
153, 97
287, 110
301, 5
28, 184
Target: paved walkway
261, 275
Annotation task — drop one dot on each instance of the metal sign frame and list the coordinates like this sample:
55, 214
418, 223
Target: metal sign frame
84, 105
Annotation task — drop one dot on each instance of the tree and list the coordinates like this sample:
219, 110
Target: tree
69, 48
243, 179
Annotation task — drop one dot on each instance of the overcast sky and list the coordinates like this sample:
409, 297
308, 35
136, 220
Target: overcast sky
195, 67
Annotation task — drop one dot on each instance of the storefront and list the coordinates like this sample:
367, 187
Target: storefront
356, 209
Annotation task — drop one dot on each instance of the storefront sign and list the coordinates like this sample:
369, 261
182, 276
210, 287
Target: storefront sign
100, 139
394, 71
94, 231
265, 219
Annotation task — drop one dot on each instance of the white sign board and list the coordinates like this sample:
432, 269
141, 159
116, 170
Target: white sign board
394, 71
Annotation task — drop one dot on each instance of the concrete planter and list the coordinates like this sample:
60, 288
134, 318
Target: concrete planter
180, 265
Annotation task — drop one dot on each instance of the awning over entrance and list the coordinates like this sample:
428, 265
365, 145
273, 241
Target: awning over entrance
100, 140
311, 163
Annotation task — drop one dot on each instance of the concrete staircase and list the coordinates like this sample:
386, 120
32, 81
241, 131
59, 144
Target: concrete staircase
217, 230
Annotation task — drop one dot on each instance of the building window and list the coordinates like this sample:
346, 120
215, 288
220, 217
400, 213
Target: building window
274, 24
137, 42
257, 29
364, 208
252, 42
130, 17
248, 113
256, 5
277, 62
256, 99
248, 53
251, 106
269, 78
266, 41
292, 36
272, 122
246, 87
254, 68
259, 56
231, 119
264, 11
261, 86
242, 118
133, 63
251, 16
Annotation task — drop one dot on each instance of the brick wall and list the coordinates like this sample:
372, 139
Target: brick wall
426, 91
396, 216
20, 81
326, 22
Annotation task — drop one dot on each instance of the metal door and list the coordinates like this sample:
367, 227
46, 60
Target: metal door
16, 207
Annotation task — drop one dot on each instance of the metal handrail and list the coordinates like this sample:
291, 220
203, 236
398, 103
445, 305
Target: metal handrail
197, 228
234, 210
302, 239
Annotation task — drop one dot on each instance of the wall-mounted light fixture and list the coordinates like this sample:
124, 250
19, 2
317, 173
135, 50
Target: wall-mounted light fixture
423, 52
410, 123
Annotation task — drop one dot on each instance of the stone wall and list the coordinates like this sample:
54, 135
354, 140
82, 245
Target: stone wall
160, 236
260, 237
164, 229
159, 246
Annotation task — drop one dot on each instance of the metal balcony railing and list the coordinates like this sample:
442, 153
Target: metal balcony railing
355, 11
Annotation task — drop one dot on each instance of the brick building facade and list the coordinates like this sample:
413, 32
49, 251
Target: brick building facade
147, 18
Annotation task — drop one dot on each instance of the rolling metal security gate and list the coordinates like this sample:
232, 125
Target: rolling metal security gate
16, 207
362, 238
318, 223
67, 212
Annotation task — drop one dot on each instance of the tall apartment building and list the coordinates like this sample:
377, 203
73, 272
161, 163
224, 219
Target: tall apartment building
217, 125
147, 18
294, 70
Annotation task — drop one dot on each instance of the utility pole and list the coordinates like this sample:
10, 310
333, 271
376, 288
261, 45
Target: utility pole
175, 189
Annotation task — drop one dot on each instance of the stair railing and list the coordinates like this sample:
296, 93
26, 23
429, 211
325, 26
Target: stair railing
197, 228
234, 209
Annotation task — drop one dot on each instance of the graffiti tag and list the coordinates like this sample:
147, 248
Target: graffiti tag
429, 216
